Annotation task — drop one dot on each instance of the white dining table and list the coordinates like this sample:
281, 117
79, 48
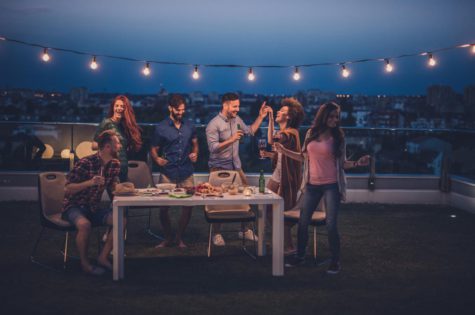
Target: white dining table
120, 203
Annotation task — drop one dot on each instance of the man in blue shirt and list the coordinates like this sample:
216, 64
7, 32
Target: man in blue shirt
176, 139
223, 133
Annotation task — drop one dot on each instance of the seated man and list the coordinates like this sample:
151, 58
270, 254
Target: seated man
83, 191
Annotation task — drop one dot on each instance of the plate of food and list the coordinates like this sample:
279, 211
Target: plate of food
179, 193
166, 186
147, 191
208, 190
125, 189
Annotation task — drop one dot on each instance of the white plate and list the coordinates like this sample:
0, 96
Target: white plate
165, 186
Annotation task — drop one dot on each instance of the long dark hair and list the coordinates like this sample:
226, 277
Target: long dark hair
128, 122
319, 126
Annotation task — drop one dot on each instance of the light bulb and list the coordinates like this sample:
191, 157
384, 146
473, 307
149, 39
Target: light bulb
46, 57
251, 76
389, 67
296, 75
94, 64
196, 74
146, 69
473, 49
344, 72
432, 62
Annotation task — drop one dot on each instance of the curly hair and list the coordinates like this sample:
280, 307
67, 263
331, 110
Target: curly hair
132, 130
295, 113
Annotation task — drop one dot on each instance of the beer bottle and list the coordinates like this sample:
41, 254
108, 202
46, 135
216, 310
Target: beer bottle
262, 183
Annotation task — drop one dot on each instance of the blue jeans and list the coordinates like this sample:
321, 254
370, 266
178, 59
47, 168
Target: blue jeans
312, 197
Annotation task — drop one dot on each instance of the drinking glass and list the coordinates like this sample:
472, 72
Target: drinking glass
262, 144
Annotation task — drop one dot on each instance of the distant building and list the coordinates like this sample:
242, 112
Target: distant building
444, 100
386, 119
469, 101
79, 96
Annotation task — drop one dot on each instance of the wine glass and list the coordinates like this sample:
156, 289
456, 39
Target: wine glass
262, 144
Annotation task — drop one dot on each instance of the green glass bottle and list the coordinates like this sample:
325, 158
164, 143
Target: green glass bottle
262, 183
242, 138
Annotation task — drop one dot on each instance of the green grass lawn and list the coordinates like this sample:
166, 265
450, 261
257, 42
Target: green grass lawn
396, 259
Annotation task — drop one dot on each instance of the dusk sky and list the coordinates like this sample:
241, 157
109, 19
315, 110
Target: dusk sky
268, 32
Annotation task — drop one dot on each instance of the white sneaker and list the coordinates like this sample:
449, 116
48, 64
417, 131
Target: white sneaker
218, 240
248, 235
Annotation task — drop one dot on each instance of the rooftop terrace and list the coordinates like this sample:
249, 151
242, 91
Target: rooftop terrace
396, 259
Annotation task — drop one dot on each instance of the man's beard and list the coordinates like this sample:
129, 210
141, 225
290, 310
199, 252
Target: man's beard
115, 154
176, 117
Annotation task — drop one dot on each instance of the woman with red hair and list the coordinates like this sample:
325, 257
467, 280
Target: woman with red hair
121, 119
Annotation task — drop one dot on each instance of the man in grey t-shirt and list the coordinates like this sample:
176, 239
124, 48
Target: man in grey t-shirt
223, 133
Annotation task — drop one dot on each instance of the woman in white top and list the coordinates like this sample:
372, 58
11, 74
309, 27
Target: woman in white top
287, 174
324, 157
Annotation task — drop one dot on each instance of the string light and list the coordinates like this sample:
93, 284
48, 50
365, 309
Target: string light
46, 57
431, 62
345, 72
389, 67
146, 70
196, 74
250, 75
93, 65
296, 75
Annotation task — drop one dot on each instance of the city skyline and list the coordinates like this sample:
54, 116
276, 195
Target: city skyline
249, 33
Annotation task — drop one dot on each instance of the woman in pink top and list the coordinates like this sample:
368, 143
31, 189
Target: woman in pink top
324, 158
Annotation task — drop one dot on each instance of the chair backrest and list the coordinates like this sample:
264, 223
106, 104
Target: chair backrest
51, 192
217, 178
139, 173
84, 149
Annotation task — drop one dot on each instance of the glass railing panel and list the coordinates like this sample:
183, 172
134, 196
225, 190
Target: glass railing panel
46, 146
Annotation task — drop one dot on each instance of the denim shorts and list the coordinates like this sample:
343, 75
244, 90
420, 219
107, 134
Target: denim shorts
97, 218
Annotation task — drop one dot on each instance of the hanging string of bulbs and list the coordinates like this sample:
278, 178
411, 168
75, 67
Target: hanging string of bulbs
147, 71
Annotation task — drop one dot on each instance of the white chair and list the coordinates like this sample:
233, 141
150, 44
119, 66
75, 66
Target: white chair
229, 213
140, 174
318, 219
50, 196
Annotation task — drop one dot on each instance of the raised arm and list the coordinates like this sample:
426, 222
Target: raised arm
262, 114
362, 161
298, 156
270, 130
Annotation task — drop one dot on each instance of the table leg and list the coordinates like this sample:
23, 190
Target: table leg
118, 242
278, 238
261, 230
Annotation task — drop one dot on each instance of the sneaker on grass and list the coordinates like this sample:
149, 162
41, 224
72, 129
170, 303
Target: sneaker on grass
294, 261
334, 268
